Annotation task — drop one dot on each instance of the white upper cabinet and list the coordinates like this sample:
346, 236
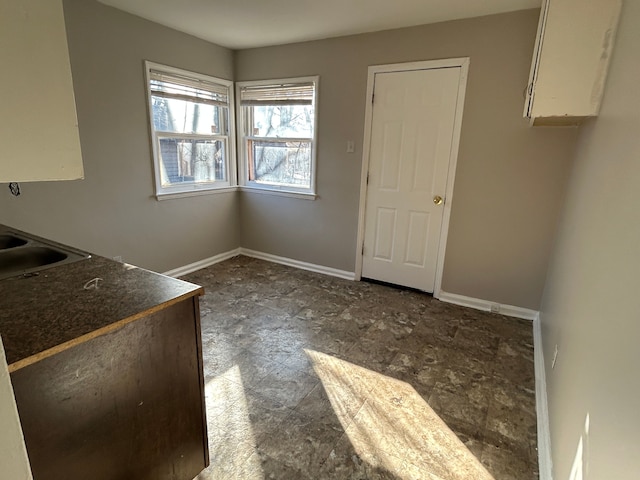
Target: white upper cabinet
38, 125
570, 60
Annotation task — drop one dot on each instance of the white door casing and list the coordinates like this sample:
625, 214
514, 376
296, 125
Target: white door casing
411, 144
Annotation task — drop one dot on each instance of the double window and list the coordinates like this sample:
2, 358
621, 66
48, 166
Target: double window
192, 127
278, 134
192, 130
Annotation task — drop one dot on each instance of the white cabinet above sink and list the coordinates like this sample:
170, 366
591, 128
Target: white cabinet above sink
38, 126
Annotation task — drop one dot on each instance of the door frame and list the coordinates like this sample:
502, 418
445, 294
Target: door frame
463, 64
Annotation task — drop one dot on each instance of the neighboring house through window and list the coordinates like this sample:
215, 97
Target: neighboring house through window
192, 128
277, 122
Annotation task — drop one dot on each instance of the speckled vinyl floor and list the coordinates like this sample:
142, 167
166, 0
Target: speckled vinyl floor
313, 377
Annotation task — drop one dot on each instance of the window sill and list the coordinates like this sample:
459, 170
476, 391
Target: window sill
193, 193
279, 193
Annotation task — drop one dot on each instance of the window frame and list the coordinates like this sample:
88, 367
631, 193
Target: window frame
244, 123
192, 188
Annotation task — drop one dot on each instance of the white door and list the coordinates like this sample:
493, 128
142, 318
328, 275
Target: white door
412, 132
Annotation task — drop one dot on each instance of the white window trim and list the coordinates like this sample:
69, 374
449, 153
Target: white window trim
178, 191
216, 191
281, 193
244, 183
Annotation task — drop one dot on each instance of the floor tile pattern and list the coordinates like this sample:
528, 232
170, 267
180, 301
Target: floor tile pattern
313, 377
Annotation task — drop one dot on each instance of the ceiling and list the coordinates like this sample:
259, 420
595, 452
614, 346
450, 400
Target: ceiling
241, 24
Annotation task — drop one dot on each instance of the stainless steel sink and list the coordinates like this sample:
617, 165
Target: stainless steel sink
10, 241
22, 253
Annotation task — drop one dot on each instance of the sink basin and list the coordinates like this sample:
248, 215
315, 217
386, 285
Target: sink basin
21, 259
10, 241
21, 253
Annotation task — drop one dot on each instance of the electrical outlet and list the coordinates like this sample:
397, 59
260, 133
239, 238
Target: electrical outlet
495, 308
555, 357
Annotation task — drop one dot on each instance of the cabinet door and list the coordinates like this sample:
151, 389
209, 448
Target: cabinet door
528, 105
128, 404
574, 45
38, 126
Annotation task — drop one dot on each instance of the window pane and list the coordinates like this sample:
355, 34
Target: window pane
182, 116
280, 163
282, 121
192, 160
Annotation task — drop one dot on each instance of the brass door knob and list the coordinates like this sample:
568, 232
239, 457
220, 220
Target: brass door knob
438, 200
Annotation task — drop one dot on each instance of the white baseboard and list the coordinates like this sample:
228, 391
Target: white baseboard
545, 463
207, 262
485, 305
334, 272
192, 267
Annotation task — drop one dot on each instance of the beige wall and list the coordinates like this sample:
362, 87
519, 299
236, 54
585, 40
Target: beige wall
112, 211
591, 306
510, 177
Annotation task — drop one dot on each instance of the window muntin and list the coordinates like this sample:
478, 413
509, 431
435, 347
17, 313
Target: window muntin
278, 121
192, 130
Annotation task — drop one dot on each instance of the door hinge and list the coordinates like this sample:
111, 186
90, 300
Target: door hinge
373, 95
363, 249
367, 178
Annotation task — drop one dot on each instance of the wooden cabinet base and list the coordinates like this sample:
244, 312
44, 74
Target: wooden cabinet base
125, 405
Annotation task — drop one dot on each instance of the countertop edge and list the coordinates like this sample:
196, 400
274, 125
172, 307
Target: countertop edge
25, 362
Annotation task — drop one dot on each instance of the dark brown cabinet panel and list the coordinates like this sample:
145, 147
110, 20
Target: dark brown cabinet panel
125, 405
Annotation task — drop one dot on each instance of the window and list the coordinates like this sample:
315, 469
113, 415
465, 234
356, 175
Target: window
278, 128
192, 130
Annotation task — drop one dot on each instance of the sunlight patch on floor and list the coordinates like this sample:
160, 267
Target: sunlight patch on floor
232, 451
391, 427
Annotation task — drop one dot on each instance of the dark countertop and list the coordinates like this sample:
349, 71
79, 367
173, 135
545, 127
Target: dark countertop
44, 314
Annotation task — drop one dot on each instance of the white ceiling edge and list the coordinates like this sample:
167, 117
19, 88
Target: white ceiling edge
239, 24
